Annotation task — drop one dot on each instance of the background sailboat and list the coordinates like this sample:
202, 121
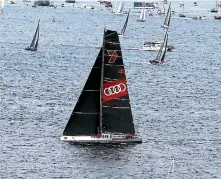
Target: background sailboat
182, 14
34, 43
215, 10
2, 4
166, 23
118, 9
125, 25
142, 17
162, 52
103, 112
170, 173
218, 16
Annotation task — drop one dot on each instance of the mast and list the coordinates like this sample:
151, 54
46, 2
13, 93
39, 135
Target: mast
101, 86
219, 13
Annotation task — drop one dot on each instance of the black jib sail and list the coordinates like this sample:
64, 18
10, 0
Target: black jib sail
85, 117
34, 43
116, 110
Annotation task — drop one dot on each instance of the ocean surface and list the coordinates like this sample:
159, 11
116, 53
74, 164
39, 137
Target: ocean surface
176, 107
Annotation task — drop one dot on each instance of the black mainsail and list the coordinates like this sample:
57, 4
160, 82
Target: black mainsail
34, 43
166, 23
104, 104
125, 24
117, 115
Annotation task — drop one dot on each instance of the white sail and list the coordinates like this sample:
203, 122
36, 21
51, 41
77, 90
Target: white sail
219, 8
115, 7
2, 3
142, 17
118, 9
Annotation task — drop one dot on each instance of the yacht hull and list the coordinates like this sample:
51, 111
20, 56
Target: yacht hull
103, 139
31, 49
217, 17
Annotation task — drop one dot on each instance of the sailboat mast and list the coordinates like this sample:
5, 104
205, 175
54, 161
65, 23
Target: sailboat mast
101, 86
219, 13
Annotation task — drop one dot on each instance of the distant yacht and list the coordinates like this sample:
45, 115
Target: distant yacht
142, 17
70, 1
215, 10
2, 3
218, 16
155, 46
12, 2
147, 5
35, 40
118, 9
182, 14
42, 3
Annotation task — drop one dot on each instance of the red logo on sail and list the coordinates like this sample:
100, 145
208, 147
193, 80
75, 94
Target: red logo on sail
121, 71
114, 89
113, 55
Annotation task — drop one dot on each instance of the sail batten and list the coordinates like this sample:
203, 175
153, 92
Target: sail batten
85, 113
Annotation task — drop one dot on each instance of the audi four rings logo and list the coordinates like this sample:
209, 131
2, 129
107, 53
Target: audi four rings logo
112, 90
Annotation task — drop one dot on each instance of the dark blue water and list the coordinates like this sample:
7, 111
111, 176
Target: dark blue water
176, 107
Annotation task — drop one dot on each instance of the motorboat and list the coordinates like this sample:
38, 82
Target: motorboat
42, 3
155, 46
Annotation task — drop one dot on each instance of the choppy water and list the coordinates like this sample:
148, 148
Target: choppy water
176, 107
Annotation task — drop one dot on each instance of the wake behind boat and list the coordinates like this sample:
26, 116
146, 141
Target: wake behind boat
103, 112
34, 43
